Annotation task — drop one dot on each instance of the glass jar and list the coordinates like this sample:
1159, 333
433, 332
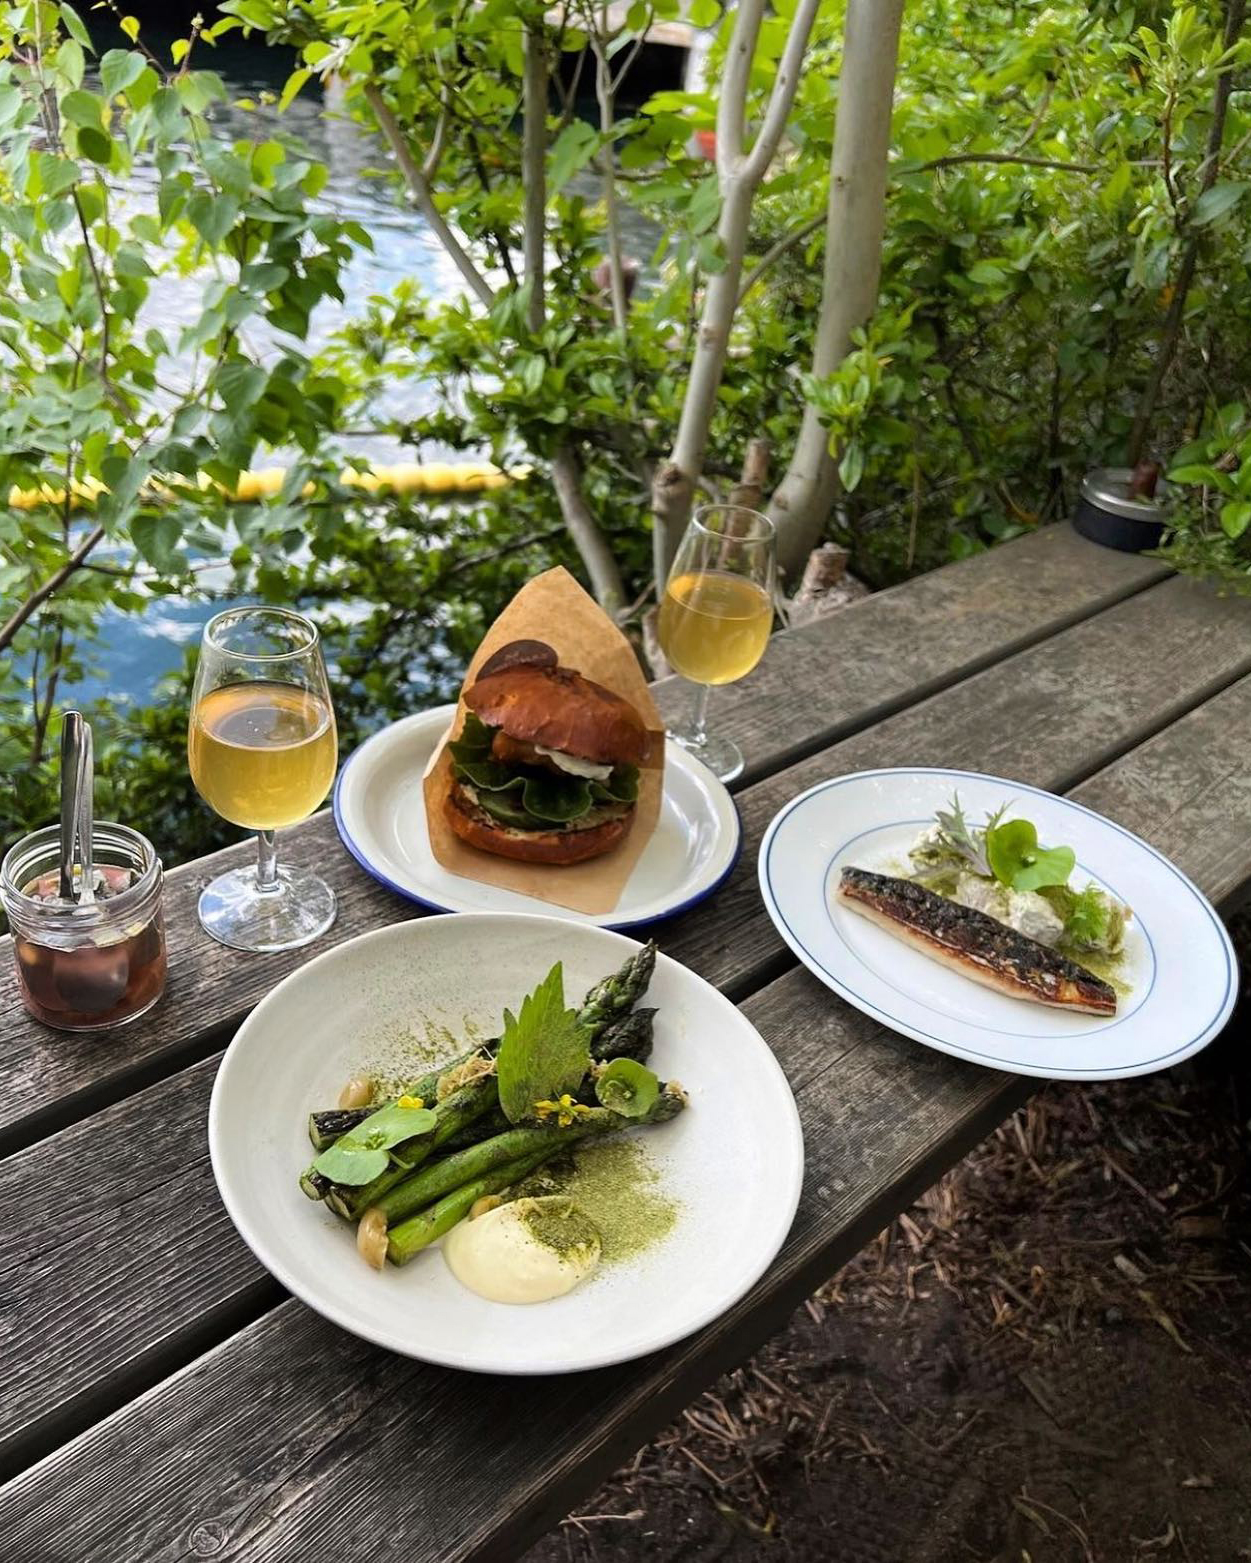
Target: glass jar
86, 967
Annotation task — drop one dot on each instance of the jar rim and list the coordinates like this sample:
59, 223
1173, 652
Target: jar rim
104, 834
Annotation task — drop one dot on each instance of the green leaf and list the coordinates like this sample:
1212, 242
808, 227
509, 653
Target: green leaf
241, 384
95, 144
627, 1087
475, 739
572, 150
544, 1050
295, 82
130, 26
703, 13
1236, 517
1017, 860
212, 216
81, 108
121, 68
361, 1155
157, 538
621, 787
851, 465
74, 25
557, 799
1221, 198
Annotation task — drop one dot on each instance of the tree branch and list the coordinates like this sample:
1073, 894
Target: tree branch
419, 186
1235, 15
604, 91
953, 158
584, 529
785, 83
775, 252
54, 582
855, 221
534, 168
732, 104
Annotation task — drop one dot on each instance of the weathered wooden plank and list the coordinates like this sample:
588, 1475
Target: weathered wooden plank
837, 675
72, 1356
292, 1437
931, 631
1188, 791
117, 1261
1049, 716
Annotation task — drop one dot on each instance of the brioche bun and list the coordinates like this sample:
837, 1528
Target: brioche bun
559, 709
571, 844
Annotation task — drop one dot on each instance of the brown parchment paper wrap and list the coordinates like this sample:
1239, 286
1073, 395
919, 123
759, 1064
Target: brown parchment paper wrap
555, 609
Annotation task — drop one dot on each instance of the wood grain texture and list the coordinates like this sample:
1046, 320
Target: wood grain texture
1188, 791
882, 1117
1048, 716
293, 1439
821, 680
818, 683
116, 1259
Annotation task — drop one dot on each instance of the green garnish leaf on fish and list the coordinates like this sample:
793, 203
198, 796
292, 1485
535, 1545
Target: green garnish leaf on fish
1017, 860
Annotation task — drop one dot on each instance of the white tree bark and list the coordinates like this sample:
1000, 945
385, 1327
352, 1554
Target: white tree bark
739, 173
534, 170
418, 182
584, 530
855, 221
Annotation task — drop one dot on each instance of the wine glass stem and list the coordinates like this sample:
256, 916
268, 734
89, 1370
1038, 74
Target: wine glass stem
266, 861
699, 723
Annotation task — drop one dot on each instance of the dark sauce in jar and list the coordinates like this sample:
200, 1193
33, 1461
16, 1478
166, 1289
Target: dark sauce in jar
102, 980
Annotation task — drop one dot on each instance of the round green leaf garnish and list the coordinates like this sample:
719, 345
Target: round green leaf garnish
627, 1088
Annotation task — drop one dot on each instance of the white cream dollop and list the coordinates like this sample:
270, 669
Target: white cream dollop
587, 769
1025, 910
502, 1257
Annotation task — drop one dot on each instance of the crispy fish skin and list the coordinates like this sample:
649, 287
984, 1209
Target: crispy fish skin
974, 944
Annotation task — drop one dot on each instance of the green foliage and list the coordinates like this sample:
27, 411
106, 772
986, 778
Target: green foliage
1046, 199
544, 1050
1209, 506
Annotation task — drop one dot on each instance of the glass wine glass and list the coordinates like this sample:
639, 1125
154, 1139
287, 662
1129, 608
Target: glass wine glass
716, 615
262, 750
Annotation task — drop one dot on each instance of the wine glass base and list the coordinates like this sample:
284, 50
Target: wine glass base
236, 911
722, 756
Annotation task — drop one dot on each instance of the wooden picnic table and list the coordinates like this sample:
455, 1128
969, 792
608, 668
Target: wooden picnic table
162, 1397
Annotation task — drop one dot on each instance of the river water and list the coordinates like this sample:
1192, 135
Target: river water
134, 651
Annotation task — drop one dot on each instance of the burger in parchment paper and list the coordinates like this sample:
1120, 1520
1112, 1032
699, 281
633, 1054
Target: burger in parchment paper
545, 769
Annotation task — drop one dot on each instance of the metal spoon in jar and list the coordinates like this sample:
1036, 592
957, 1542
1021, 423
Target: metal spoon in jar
73, 728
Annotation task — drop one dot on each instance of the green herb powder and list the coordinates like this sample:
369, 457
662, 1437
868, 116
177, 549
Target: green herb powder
617, 1187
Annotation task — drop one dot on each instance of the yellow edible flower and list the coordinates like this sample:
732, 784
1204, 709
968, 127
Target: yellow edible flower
410, 1101
565, 1110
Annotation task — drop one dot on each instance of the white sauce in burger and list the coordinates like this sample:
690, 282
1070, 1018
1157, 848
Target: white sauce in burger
575, 767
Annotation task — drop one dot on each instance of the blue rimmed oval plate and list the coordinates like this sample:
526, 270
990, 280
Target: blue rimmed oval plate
1178, 975
380, 811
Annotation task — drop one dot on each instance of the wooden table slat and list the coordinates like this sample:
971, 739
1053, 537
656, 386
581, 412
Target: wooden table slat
928, 1107
48, 1079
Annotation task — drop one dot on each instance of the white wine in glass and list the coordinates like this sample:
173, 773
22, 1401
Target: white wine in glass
716, 615
262, 750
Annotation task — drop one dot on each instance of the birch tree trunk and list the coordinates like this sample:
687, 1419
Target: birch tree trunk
739, 173
855, 221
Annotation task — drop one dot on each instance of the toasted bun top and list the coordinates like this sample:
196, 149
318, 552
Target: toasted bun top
558, 708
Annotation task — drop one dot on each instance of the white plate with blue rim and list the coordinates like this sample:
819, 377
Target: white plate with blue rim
380, 811
1177, 979
731, 1163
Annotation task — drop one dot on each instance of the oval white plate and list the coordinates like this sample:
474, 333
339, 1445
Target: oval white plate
1181, 968
733, 1160
380, 810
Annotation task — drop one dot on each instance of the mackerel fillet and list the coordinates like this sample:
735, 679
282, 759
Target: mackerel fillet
974, 944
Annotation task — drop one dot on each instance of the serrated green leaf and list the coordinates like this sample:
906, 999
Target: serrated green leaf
157, 538
544, 1050
121, 68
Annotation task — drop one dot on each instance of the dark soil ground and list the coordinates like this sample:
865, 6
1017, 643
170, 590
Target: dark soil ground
1047, 1359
